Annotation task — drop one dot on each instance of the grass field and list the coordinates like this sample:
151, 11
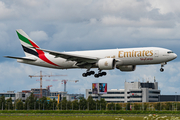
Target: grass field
130, 117
69, 118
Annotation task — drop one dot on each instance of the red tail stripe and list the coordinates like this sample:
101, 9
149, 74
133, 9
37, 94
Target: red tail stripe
41, 54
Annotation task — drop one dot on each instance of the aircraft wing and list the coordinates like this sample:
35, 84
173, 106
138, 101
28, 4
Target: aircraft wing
28, 59
80, 59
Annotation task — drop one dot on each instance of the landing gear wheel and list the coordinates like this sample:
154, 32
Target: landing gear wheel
161, 69
104, 73
88, 73
100, 74
96, 75
84, 74
92, 72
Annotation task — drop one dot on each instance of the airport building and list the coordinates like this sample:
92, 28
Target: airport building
15, 96
132, 92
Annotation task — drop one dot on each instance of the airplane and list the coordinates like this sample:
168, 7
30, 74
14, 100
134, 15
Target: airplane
123, 59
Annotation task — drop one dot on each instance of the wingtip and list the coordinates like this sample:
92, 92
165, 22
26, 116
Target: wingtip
6, 56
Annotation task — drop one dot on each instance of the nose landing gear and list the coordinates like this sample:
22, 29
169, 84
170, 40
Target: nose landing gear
162, 69
162, 65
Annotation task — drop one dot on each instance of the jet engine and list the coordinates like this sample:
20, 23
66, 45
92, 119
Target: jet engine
127, 67
106, 64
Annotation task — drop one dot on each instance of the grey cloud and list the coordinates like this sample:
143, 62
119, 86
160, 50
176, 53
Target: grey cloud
80, 25
38, 35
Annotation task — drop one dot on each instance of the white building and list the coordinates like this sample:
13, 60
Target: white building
113, 95
15, 96
133, 92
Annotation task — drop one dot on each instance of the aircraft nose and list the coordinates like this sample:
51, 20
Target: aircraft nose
175, 56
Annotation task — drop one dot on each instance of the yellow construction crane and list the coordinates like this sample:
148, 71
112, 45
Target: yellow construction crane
41, 76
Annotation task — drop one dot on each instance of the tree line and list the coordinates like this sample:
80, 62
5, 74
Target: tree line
45, 103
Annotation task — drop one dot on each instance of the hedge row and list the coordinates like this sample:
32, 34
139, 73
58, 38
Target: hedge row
88, 112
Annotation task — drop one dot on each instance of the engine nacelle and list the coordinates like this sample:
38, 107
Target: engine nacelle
106, 64
127, 67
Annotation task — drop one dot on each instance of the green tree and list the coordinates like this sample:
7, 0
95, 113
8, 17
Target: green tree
91, 103
103, 104
43, 103
83, 103
178, 105
2, 102
128, 106
62, 104
51, 104
75, 105
168, 106
69, 105
9, 105
31, 102
136, 106
54, 104
145, 106
118, 107
26, 104
157, 106
111, 106
19, 104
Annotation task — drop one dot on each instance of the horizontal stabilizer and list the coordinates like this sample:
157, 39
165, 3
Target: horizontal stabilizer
20, 58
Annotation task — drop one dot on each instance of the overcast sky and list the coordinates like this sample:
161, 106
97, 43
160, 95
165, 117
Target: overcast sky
76, 25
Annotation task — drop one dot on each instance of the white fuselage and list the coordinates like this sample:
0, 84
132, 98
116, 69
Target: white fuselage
129, 56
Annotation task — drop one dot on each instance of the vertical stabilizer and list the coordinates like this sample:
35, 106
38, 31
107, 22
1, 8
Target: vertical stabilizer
28, 44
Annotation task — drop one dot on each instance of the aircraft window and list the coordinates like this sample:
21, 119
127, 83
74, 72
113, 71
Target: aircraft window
170, 52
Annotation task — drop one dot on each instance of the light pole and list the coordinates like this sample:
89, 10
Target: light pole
160, 102
88, 105
72, 106
66, 106
53, 105
96, 106
2, 105
61, 105
176, 100
34, 105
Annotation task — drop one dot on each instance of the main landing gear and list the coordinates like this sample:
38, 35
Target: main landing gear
88, 73
100, 74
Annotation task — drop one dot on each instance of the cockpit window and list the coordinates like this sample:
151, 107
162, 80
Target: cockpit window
170, 52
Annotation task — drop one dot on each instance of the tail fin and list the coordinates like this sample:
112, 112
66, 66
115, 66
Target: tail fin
28, 45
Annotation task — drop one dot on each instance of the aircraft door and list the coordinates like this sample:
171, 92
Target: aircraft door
156, 53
